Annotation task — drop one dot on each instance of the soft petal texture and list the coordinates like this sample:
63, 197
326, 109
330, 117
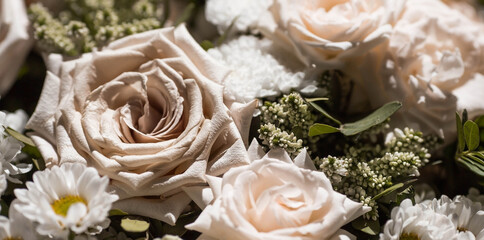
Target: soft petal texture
245, 13
70, 180
15, 41
330, 32
258, 68
273, 198
432, 64
444, 218
16, 226
415, 220
148, 111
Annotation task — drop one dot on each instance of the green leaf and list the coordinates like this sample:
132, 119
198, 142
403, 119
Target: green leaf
480, 121
132, 224
117, 212
319, 129
465, 116
472, 166
206, 44
471, 134
22, 138
187, 13
322, 111
371, 120
367, 226
388, 190
316, 99
461, 144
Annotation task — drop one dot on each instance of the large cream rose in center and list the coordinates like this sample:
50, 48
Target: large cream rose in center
148, 112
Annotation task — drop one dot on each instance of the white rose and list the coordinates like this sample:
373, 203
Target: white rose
328, 32
15, 41
433, 65
273, 198
148, 112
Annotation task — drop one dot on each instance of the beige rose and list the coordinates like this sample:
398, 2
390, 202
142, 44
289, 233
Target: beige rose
148, 112
329, 32
433, 64
275, 198
15, 41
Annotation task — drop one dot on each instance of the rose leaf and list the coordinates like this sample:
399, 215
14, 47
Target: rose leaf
319, 129
375, 118
471, 134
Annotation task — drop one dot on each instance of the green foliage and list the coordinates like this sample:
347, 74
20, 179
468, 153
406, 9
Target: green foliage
134, 224
349, 129
470, 151
375, 118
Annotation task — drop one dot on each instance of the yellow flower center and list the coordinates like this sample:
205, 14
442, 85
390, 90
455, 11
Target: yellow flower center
13, 238
461, 229
62, 205
409, 236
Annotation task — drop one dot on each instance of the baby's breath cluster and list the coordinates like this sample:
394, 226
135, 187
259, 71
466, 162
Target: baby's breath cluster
368, 169
286, 123
87, 24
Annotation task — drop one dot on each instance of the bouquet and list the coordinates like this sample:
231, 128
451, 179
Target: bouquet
254, 119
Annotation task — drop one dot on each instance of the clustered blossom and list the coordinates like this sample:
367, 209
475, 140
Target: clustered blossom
369, 169
258, 69
90, 24
279, 119
444, 218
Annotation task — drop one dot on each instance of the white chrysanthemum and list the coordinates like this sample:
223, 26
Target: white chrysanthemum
246, 13
16, 226
10, 148
415, 222
256, 71
69, 197
467, 216
475, 196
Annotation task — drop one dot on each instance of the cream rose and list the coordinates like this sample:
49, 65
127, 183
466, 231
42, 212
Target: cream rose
148, 112
276, 198
433, 64
15, 41
329, 32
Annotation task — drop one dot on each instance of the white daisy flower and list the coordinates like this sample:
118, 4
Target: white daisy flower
10, 148
258, 70
415, 222
466, 215
70, 197
17, 226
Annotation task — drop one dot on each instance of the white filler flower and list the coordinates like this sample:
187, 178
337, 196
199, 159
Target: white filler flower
256, 71
69, 197
445, 218
16, 227
414, 222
